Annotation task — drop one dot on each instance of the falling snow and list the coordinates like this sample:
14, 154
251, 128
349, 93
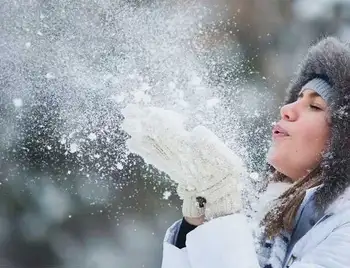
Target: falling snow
17, 102
166, 195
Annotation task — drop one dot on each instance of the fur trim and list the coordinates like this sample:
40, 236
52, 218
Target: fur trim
330, 60
340, 204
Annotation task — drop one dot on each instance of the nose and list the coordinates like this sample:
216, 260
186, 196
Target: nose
288, 112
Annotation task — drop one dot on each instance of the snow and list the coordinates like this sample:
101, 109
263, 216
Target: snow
92, 136
141, 96
212, 102
145, 86
17, 102
119, 166
73, 148
171, 85
63, 140
50, 76
254, 176
118, 98
152, 64
195, 80
166, 195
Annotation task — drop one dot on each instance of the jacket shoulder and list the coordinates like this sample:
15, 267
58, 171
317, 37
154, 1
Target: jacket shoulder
326, 244
332, 251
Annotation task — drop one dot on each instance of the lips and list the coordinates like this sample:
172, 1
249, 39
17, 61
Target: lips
278, 131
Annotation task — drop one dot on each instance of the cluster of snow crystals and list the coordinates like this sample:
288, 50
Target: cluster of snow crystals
73, 148
212, 102
254, 176
119, 166
92, 136
18, 102
166, 195
342, 112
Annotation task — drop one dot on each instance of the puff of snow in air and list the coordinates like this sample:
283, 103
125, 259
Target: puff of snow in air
141, 96
50, 76
73, 148
119, 166
212, 102
118, 98
166, 195
17, 102
92, 136
254, 176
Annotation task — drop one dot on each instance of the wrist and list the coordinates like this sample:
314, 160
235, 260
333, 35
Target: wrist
196, 221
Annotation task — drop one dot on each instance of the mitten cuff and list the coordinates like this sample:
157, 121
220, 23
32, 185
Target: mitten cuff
224, 206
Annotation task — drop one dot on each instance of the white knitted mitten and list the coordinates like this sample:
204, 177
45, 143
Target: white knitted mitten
206, 170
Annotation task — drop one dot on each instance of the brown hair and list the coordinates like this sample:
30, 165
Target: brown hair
282, 215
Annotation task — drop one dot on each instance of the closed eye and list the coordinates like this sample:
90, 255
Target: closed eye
313, 107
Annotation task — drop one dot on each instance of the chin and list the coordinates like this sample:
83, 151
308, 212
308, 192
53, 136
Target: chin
279, 165
272, 157
275, 159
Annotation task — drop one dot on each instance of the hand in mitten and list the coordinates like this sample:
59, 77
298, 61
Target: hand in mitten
159, 136
207, 172
218, 173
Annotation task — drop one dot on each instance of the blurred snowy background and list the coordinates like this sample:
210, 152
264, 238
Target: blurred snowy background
71, 195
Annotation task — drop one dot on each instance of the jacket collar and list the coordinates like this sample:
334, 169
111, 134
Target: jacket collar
340, 204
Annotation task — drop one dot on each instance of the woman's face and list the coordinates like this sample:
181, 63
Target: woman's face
300, 137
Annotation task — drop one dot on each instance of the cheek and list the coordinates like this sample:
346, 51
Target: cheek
313, 138
303, 149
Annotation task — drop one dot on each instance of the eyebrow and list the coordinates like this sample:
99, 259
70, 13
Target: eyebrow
313, 94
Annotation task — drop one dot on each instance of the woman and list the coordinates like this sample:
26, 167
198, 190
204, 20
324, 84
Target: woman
309, 223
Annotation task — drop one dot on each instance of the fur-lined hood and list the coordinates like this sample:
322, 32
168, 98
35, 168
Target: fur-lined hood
330, 60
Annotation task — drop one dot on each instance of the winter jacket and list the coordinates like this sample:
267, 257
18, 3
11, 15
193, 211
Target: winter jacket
227, 242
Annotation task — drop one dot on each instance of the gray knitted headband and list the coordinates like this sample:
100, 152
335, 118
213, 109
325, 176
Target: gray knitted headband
321, 87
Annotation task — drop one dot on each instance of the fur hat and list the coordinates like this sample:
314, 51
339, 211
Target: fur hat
330, 60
